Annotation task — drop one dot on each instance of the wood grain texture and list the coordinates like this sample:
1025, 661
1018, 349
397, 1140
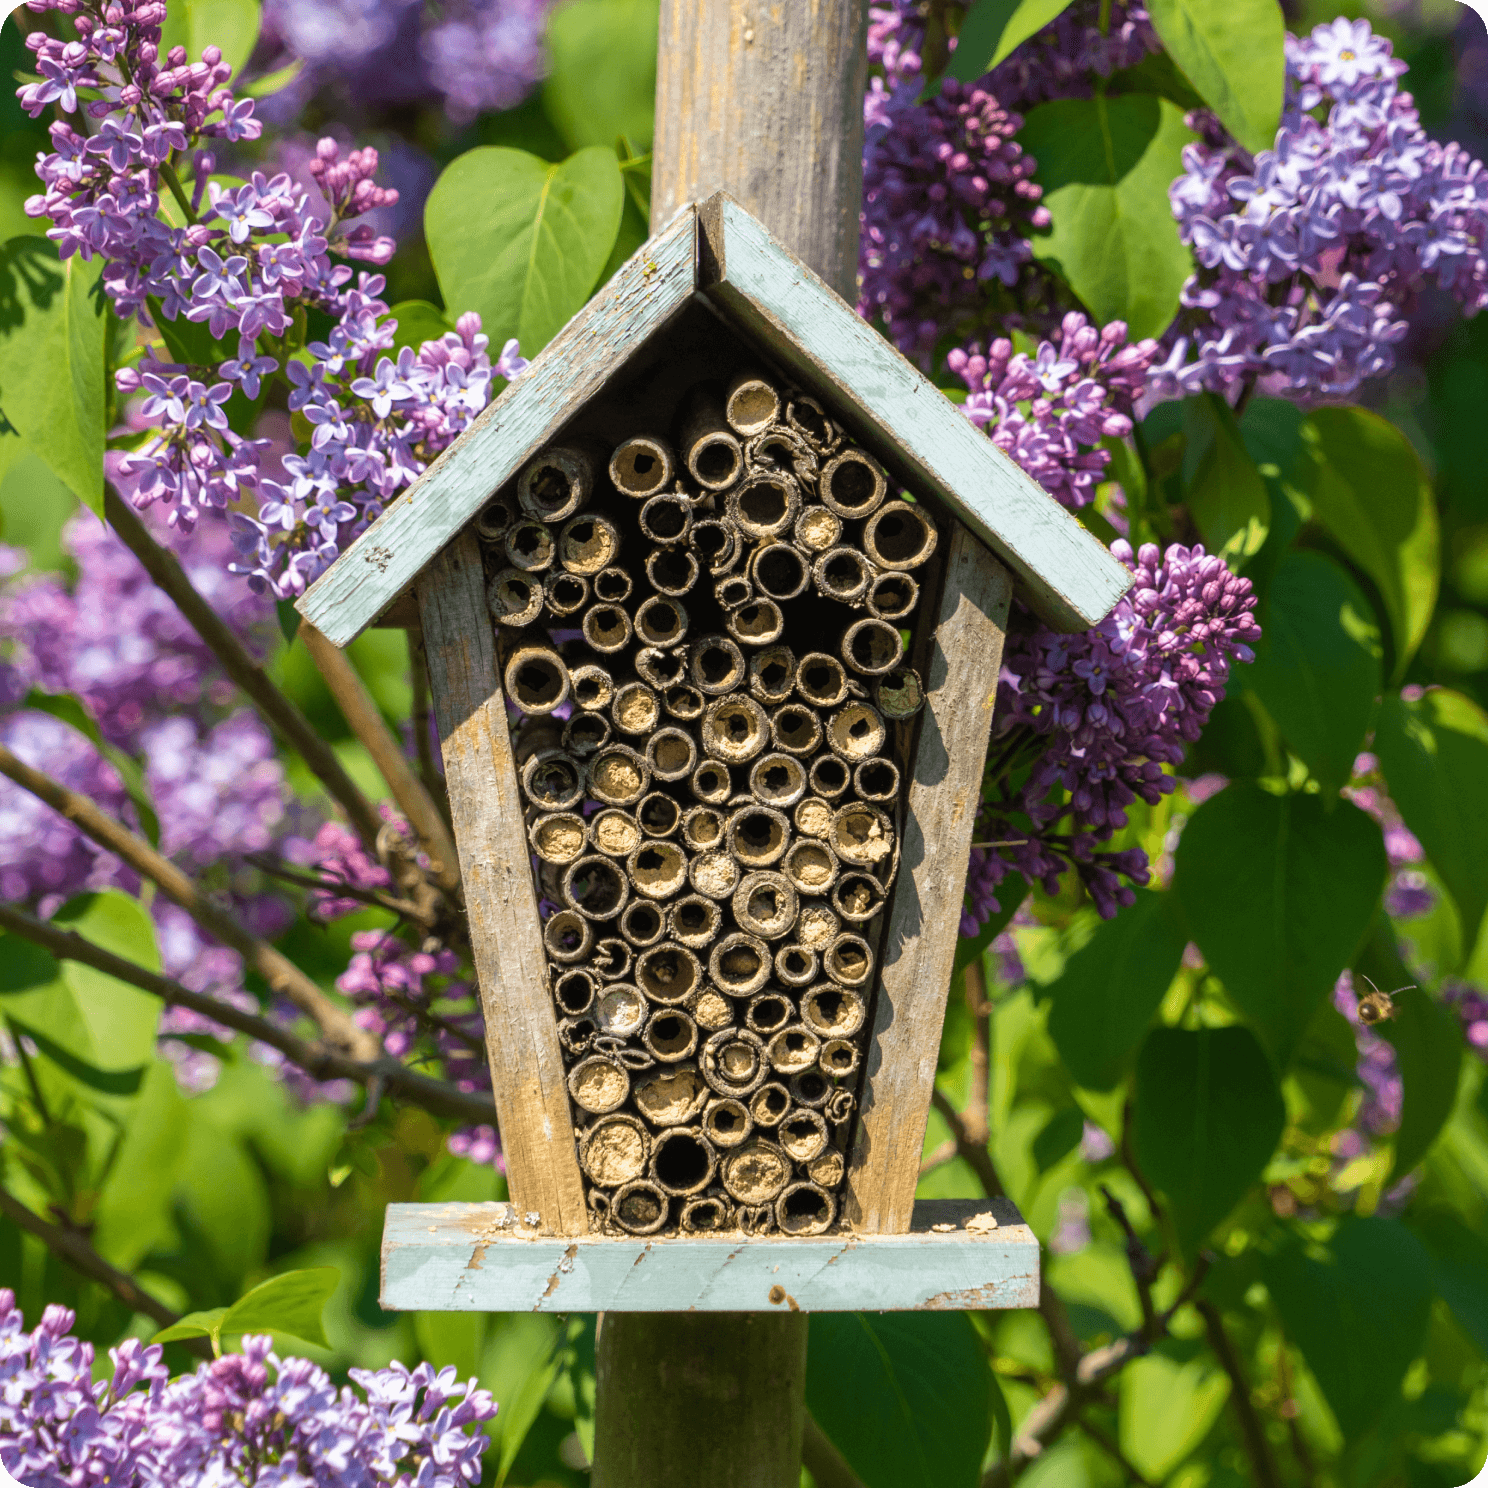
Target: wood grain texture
646, 292
919, 946
474, 1258
1064, 572
765, 101
527, 1078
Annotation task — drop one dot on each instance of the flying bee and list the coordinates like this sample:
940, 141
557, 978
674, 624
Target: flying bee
1379, 1007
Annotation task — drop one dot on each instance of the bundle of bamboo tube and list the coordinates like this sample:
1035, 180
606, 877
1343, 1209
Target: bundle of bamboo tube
702, 643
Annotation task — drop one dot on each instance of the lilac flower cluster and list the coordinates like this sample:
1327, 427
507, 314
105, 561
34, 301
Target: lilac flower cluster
247, 1417
1086, 724
1409, 893
1312, 254
1050, 411
1383, 1090
1470, 1006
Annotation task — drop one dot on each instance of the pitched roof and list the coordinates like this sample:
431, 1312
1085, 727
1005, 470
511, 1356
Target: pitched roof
884, 401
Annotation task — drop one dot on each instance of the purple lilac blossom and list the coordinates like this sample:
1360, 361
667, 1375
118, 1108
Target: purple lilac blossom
1409, 893
248, 1417
1470, 1007
1312, 254
1378, 1115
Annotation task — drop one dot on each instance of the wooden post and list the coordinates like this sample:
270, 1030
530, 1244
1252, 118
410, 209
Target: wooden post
764, 101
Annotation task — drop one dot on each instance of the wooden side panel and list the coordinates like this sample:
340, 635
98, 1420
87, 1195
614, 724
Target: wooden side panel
485, 801
919, 946
1063, 572
592, 348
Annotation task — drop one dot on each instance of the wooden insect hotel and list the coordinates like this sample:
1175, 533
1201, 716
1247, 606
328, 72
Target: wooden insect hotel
713, 599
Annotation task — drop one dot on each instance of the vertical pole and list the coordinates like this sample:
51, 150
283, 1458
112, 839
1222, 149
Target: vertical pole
762, 99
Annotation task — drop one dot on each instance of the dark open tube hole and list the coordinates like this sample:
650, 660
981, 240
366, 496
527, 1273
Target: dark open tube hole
877, 779
642, 923
894, 595
712, 539
660, 622
796, 964
771, 1103
659, 814
901, 534
765, 503
597, 887
806, 1206
766, 1014
665, 519
671, 570
539, 683
780, 572
875, 645
612, 585
717, 462
739, 965
682, 1161
812, 1086
821, 681
574, 991
693, 918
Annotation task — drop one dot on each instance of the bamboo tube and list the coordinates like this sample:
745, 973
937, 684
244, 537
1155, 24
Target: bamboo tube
615, 833
828, 1170
853, 484
769, 1104
714, 875
817, 530
821, 679
756, 1219
668, 974
727, 1122
614, 1150
711, 783
712, 452
529, 546
733, 590
854, 733
739, 964
803, 1135
567, 937
683, 701
795, 729
493, 519
833, 1012
862, 835
695, 922
533, 735
702, 828
811, 1087
565, 594
777, 780
585, 734
595, 888
588, 544
840, 1106
613, 585
661, 622
621, 1010
514, 598
899, 535
642, 466
672, 571
893, 596
733, 1062
783, 449
839, 1058
805, 1209
734, 729
536, 679
706, 1214
755, 1173
759, 622
765, 905
757, 835
796, 965
671, 754
780, 572
793, 1049
768, 1013
618, 776
657, 869
643, 923
636, 708
670, 1035
553, 781
716, 665
841, 574
764, 505
809, 419
772, 675
828, 777
557, 836
813, 815
673, 1096
811, 866
872, 647
575, 1035
849, 960
667, 519
682, 1161
857, 897
640, 1207
593, 687
611, 958
712, 1011
877, 780
598, 1085
818, 927
574, 991
556, 483
899, 694
607, 628
658, 814
716, 543
751, 405
660, 669
635, 1060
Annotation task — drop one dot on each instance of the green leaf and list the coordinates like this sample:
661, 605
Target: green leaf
1207, 1115
601, 82
993, 28
1317, 668
1225, 493
530, 257
1167, 1409
1434, 752
1358, 1312
52, 320
1112, 986
1157, 73
1459, 1270
206, 1324
1369, 489
106, 1082
1233, 55
526, 1405
290, 1303
1059, 1137
271, 82
905, 1397
1278, 891
457, 1338
231, 25
418, 321
1105, 165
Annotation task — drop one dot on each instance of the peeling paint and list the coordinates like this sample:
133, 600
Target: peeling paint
565, 1265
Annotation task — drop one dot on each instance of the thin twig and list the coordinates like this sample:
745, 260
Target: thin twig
1289, 1413
978, 1113
437, 1097
939, 1156
1252, 1431
224, 643
1144, 1267
1112, 1449
420, 715
337, 889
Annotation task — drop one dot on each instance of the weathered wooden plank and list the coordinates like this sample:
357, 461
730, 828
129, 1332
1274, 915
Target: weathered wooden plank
477, 1258
919, 945
1063, 572
527, 1078
646, 292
